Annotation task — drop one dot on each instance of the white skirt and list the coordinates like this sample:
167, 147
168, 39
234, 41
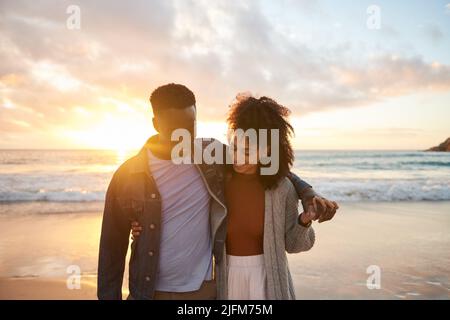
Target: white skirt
246, 277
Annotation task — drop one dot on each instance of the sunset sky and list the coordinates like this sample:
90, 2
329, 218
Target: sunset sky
348, 86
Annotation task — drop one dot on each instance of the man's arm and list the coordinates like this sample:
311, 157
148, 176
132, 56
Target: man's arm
325, 208
113, 247
304, 190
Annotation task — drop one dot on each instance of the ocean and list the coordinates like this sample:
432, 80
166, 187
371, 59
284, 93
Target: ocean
393, 213
56, 178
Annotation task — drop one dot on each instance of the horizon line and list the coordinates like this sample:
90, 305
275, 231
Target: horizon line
135, 149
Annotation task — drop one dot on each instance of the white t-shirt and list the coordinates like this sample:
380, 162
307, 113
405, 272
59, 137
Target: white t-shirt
185, 258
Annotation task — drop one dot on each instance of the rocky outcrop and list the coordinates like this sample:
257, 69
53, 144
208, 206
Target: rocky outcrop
444, 146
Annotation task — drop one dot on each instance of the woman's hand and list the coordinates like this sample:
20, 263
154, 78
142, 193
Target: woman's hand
135, 230
307, 216
324, 208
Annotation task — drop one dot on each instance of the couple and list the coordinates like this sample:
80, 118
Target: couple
206, 231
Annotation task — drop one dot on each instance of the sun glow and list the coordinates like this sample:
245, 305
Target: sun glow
113, 133
124, 134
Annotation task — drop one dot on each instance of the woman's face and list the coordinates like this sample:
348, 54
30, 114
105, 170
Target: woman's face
244, 161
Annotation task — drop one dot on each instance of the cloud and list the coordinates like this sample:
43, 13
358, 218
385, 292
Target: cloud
125, 50
390, 76
434, 33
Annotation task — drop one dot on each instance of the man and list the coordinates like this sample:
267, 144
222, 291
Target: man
180, 209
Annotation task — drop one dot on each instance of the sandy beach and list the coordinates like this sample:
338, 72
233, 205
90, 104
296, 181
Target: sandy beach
408, 241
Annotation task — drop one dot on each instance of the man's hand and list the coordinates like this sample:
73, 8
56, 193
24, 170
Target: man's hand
324, 208
135, 230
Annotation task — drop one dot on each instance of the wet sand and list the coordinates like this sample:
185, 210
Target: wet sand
408, 242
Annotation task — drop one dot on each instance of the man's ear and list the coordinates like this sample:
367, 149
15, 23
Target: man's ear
155, 124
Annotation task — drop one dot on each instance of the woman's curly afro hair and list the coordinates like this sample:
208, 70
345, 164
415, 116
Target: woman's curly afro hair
264, 113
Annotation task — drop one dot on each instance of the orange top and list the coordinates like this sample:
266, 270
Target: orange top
244, 195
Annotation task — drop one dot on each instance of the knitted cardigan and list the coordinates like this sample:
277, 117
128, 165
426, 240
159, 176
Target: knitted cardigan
282, 234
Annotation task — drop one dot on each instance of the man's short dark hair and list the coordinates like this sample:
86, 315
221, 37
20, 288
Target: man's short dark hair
171, 96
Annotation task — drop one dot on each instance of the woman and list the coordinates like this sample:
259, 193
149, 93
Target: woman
263, 221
